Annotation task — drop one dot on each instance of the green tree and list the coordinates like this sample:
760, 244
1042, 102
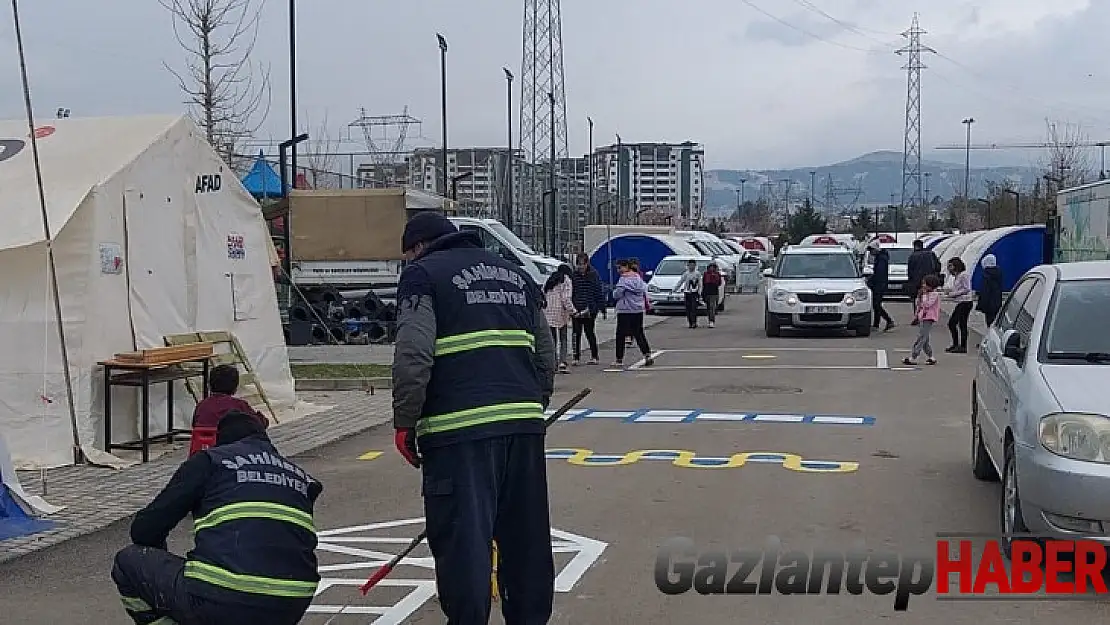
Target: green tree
805, 222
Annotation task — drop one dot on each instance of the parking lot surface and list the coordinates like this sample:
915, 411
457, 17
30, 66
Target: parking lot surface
823, 441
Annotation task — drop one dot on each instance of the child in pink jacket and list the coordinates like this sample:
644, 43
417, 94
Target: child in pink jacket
928, 311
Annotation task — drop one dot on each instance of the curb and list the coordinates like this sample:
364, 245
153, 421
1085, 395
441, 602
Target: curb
343, 384
138, 484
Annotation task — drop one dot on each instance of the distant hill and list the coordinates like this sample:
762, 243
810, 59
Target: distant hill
875, 175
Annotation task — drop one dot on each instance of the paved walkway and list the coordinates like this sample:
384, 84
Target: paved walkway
96, 497
383, 354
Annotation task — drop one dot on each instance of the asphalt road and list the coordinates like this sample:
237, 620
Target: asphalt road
885, 453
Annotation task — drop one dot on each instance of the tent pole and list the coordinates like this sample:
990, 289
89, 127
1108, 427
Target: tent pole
77, 454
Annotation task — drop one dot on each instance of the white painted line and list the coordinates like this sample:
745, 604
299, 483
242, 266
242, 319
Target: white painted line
837, 420
722, 416
903, 368
589, 551
624, 414
779, 418
641, 362
881, 361
663, 416
758, 357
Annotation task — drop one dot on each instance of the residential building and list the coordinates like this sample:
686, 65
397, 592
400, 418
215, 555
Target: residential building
664, 178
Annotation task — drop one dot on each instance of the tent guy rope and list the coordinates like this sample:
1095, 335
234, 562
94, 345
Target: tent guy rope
59, 319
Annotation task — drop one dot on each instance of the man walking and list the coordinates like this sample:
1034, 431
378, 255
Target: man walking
473, 372
921, 263
254, 557
878, 281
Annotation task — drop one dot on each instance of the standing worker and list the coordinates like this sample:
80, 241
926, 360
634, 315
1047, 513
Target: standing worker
473, 372
254, 558
879, 281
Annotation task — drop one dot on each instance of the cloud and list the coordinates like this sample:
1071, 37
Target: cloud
757, 93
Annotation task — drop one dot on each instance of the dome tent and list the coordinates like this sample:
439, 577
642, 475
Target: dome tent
649, 249
957, 246
1017, 248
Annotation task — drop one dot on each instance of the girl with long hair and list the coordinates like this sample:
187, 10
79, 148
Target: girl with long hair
560, 310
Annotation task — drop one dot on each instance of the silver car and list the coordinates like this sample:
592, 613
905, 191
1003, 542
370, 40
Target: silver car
1040, 410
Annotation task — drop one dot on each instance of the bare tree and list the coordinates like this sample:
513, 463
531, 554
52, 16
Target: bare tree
320, 154
228, 97
1067, 159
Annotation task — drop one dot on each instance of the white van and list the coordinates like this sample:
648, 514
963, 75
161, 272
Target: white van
503, 242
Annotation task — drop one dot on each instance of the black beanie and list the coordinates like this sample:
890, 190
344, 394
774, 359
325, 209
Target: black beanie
235, 426
424, 227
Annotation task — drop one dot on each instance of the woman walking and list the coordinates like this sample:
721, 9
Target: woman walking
990, 293
559, 291
960, 293
631, 294
589, 301
711, 284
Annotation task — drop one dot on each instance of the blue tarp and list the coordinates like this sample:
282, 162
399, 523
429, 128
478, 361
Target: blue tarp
263, 181
14, 522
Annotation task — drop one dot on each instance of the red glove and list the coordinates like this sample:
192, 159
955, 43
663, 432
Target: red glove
405, 440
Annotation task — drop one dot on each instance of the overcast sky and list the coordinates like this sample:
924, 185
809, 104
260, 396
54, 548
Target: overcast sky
756, 92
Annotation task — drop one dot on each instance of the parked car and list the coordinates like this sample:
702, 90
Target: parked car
663, 280
1040, 403
817, 287
898, 267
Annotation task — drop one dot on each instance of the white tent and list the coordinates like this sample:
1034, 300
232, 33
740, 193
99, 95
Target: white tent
153, 235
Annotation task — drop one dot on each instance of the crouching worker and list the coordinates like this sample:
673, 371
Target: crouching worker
254, 557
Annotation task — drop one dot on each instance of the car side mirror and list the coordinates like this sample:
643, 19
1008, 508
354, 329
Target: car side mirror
649, 274
767, 273
1011, 346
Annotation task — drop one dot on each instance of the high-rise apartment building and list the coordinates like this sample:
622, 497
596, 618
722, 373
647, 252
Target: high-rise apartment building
666, 178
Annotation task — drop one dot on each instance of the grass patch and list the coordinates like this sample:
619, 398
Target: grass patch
339, 372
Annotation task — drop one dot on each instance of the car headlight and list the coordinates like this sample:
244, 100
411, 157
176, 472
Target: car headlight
779, 295
861, 295
1077, 435
653, 289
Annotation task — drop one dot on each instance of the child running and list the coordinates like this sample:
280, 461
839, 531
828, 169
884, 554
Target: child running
928, 312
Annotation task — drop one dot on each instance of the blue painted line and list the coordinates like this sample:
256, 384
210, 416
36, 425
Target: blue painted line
693, 416
766, 458
636, 415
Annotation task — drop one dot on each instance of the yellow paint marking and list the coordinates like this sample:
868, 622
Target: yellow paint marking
370, 455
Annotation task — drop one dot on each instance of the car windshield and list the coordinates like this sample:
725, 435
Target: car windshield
1077, 321
511, 238
677, 267
817, 266
899, 255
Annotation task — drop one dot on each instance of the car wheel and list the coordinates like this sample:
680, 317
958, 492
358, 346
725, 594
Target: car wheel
1010, 507
863, 330
981, 466
771, 326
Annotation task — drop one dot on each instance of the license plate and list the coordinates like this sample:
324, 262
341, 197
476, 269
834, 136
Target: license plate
820, 310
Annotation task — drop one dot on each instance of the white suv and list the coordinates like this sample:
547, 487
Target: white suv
817, 287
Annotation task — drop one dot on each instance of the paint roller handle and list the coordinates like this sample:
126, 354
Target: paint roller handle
571, 403
388, 567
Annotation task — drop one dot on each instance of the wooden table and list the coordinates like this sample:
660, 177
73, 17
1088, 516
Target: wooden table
141, 376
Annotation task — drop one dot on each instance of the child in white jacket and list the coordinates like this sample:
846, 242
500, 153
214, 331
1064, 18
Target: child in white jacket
559, 292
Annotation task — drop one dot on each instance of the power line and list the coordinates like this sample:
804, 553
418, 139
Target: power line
846, 25
804, 31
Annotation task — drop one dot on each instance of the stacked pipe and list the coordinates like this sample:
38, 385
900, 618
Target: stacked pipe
337, 319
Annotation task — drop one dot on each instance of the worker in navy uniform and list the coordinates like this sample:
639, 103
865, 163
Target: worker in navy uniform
473, 372
254, 559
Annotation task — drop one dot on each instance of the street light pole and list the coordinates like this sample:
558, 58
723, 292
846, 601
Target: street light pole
443, 101
967, 160
555, 223
590, 164
988, 203
1017, 204
292, 90
508, 216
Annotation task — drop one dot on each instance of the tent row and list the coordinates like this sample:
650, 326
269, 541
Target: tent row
153, 235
